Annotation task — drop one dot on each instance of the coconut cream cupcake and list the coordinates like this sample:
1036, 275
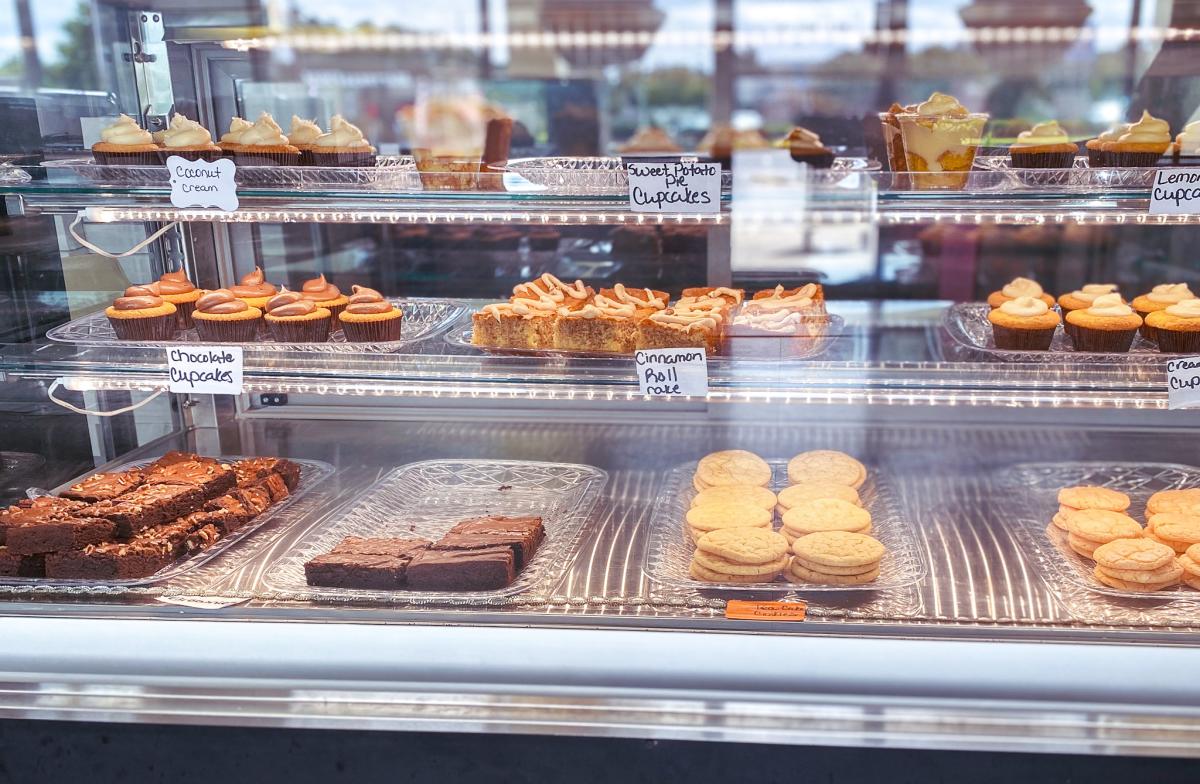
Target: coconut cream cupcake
125, 143
231, 140
1085, 296
264, 144
302, 135
344, 145
1019, 287
1177, 327
1108, 325
189, 140
1024, 324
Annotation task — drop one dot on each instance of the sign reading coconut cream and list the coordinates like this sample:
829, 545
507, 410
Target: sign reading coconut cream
1183, 383
208, 370
1175, 192
674, 186
672, 372
203, 184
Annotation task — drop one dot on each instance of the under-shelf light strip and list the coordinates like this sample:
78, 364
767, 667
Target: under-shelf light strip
718, 40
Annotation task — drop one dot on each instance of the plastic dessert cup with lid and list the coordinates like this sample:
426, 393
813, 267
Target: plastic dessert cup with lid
939, 150
447, 172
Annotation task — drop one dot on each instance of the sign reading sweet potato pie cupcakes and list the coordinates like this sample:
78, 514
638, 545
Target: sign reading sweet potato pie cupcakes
674, 186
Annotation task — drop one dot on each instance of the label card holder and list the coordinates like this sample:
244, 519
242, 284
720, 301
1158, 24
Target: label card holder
1175, 192
208, 370
674, 187
672, 372
1183, 383
740, 610
203, 602
203, 183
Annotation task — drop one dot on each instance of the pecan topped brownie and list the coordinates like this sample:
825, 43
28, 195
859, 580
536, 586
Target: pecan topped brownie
36, 510
104, 487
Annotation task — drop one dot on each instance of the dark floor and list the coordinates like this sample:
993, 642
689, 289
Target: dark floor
50, 752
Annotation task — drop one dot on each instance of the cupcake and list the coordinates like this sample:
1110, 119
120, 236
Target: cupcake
302, 135
1024, 324
721, 141
174, 287
1187, 145
231, 141
1044, 146
141, 314
1159, 298
263, 144
125, 143
1085, 296
805, 147
650, 140
254, 289
1019, 287
370, 318
344, 145
189, 140
1095, 147
293, 319
324, 294
1108, 325
1177, 327
1142, 144
940, 141
223, 318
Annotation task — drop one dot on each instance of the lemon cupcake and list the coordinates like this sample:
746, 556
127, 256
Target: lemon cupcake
324, 294
175, 288
1044, 146
1160, 297
1142, 144
1024, 324
1095, 147
125, 143
223, 318
370, 318
293, 319
1019, 287
1108, 325
1177, 327
254, 289
141, 314
1085, 296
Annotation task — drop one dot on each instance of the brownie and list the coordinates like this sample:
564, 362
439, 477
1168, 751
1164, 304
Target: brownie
36, 510
12, 565
397, 548
253, 469
462, 570
49, 536
224, 521
201, 539
522, 534
103, 487
147, 506
211, 479
173, 457
274, 485
356, 570
112, 561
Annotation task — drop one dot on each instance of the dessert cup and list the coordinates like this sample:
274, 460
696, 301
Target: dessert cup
940, 149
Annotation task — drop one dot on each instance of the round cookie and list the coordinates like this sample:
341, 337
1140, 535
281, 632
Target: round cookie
1101, 526
1164, 574
719, 565
1144, 554
1092, 497
826, 465
1084, 547
1176, 527
1191, 580
810, 491
826, 514
848, 571
710, 517
838, 548
1059, 520
733, 467
802, 574
1179, 547
744, 545
698, 572
751, 494
1191, 560
1122, 585
1187, 500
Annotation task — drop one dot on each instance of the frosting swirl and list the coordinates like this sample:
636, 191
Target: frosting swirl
1049, 132
549, 287
1089, 292
651, 300
264, 133
1147, 130
220, 302
342, 134
525, 308
1114, 133
780, 321
1025, 307
1109, 306
1170, 293
803, 139
1188, 309
600, 306
941, 104
367, 301
237, 128
303, 131
1189, 139
253, 284
175, 283
139, 298
289, 303
125, 131
185, 133
1022, 287
143, 289
319, 290
686, 321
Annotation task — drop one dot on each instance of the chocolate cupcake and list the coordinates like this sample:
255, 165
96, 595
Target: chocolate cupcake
344, 145
1045, 146
1107, 326
370, 318
1085, 296
254, 289
264, 144
223, 318
189, 140
324, 294
805, 147
231, 141
302, 135
1023, 324
1177, 327
125, 143
1160, 297
175, 288
293, 319
141, 314
1141, 145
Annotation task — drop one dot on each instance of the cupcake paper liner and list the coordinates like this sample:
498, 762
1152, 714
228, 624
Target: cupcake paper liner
1134, 159
227, 331
126, 158
183, 313
1095, 158
381, 331
1104, 341
347, 159
1013, 339
817, 160
1042, 160
1171, 341
249, 158
190, 155
145, 328
301, 331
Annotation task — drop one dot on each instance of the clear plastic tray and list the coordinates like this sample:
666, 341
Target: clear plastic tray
1080, 177
426, 499
312, 472
422, 318
1062, 567
968, 325
390, 173
670, 549
799, 349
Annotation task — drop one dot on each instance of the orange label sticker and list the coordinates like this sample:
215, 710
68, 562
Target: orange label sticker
738, 610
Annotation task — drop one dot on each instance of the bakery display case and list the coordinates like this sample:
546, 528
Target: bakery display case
325, 349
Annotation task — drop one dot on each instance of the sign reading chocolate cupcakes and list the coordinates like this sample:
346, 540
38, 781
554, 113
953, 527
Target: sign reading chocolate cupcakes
1175, 192
1183, 383
203, 183
208, 370
674, 186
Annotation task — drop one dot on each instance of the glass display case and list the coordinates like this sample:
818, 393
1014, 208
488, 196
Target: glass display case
935, 447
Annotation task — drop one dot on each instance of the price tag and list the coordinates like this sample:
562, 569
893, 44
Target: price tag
674, 186
738, 610
1175, 192
672, 372
208, 370
202, 602
203, 184
1183, 383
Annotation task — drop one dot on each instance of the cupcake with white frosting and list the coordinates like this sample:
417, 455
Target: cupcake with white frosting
231, 140
1177, 327
302, 135
187, 139
1108, 325
1187, 145
1142, 144
1023, 324
1044, 146
124, 142
264, 144
1019, 287
1085, 295
1158, 298
344, 145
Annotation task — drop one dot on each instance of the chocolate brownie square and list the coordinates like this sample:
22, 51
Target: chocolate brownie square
274, 485
522, 534
104, 487
253, 469
211, 479
147, 506
462, 570
12, 565
49, 536
112, 561
397, 548
201, 539
175, 456
356, 570
36, 510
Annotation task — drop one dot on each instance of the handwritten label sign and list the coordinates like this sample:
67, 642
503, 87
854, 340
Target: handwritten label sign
203, 184
674, 186
672, 372
203, 602
208, 370
739, 610
1175, 192
1183, 383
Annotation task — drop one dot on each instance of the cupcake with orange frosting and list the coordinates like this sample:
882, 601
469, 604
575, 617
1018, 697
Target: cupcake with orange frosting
1019, 287
1158, 298
141, 314
223, 318
175, 288
293, 319
1177, 327
370, 318
324, 294
254, 289
1108, 325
